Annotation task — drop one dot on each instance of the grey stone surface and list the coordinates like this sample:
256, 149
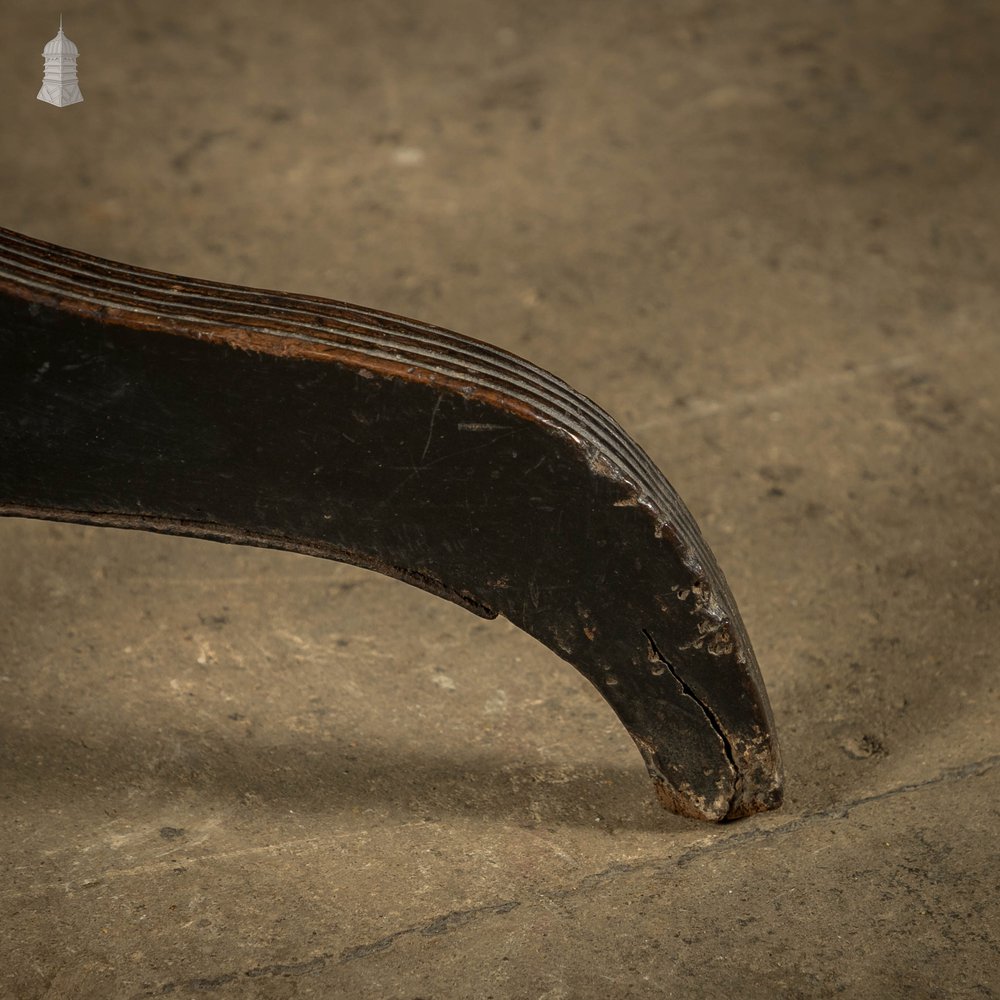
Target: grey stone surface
767, 239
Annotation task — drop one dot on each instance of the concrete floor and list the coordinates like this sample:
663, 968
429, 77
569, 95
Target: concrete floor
766, 237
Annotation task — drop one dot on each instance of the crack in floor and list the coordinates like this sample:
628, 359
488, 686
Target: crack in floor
439, 925
448, 922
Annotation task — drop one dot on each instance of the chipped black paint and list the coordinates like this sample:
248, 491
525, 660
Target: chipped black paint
140, 400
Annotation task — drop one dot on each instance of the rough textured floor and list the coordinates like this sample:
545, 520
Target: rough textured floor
766, 237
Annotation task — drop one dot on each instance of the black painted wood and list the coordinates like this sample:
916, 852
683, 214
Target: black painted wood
137, 399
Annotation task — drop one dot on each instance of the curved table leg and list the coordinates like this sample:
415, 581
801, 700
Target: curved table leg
145, 400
